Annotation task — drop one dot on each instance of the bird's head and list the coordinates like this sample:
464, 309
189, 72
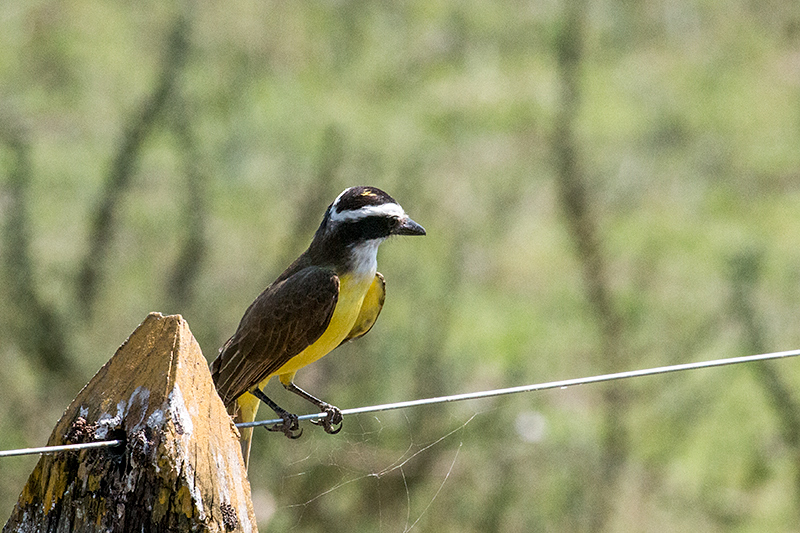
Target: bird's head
359, 219
366, 213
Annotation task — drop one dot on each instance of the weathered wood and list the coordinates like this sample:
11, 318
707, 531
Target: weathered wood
181, 468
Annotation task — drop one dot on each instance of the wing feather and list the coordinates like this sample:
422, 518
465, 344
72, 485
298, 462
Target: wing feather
285, 319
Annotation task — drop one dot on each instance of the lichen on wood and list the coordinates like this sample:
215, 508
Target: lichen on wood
180, 468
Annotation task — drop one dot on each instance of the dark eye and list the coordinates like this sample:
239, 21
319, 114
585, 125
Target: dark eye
371, 228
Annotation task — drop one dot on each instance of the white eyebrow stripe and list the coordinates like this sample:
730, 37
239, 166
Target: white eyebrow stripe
336, 202
391, 210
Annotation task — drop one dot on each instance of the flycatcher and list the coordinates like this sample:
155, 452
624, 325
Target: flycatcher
329, 295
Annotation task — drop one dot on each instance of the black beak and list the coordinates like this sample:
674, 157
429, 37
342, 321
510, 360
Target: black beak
409, 227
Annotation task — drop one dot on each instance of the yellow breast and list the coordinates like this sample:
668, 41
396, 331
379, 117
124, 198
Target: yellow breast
352, 290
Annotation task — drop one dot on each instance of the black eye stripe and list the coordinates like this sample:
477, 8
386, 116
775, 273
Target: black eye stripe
372, 227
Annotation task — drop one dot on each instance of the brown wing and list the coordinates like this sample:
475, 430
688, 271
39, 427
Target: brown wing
370, 309
283, 321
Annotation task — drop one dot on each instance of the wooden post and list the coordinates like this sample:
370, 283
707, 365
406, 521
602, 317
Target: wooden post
181, 467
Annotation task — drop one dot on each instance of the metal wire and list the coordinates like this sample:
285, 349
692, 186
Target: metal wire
563, 384
540, 386
62, 448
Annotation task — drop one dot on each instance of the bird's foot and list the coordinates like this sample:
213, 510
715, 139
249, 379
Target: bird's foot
333, 422
289, 427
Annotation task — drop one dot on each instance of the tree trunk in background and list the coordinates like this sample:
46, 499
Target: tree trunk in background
124, 163
745, 273
583, 227
38, 328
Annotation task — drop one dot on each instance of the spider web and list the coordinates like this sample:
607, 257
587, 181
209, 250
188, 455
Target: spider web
362, 458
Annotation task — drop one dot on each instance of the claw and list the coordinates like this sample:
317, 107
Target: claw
289, 427
330, 422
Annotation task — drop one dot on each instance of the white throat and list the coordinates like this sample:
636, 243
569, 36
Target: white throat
365, 258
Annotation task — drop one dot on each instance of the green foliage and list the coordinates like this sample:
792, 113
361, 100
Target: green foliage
687, 132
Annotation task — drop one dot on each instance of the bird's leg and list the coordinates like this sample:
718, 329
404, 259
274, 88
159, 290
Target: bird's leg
290, 426
331, 423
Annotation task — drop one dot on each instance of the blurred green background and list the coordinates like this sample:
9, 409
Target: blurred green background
606, 186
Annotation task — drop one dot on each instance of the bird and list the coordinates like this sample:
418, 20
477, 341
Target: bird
331, 294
